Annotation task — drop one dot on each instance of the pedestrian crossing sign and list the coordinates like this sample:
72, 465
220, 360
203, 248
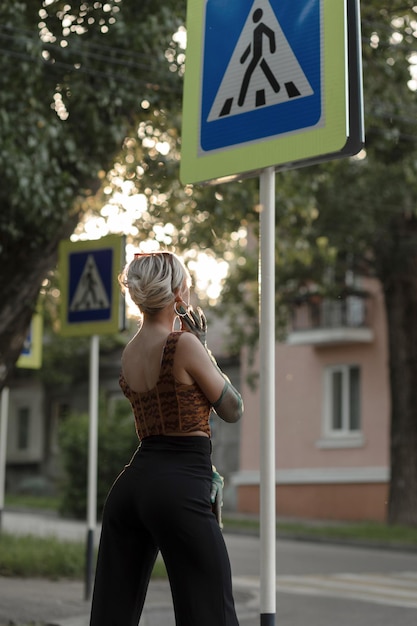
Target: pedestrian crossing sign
31, 354
90, 297
266, 83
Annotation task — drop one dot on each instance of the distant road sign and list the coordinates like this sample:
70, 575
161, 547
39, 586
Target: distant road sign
90, 296
266, 83
31, 355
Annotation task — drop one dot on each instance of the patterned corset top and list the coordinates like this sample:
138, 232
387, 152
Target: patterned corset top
170, 406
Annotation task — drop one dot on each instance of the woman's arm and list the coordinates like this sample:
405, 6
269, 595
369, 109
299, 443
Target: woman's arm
201, 365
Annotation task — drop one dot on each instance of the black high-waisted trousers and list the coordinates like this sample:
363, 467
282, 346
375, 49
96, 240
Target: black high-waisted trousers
161, 501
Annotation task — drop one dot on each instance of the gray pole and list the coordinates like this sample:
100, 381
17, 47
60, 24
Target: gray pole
4, 415
92, 463
267, 399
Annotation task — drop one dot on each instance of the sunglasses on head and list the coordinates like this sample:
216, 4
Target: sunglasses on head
139, 255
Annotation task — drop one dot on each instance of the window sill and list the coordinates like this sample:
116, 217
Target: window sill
341, 441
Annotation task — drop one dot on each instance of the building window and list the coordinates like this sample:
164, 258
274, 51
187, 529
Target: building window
343, 398
23, 421
63, 410
342, 406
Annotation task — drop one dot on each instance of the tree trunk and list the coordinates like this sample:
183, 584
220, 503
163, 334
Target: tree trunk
20, 284
20, 297
400, 287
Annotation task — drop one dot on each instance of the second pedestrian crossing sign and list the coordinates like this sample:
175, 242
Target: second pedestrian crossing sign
266, 83
90, 295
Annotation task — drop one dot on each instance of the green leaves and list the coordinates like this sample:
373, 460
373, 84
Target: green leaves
72, 78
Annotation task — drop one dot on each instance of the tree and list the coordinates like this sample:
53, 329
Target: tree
360, 214
90, 103
73, 81
382, 205
373, 224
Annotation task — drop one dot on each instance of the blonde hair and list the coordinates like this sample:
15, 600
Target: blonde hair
152, 280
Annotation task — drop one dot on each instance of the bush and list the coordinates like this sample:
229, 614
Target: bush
48, 557
40, 557
117, 442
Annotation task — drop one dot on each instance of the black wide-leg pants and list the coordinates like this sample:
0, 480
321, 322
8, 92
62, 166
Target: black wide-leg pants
161, 501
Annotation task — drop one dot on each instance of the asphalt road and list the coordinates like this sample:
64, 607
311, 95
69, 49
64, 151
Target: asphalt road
317, 584
324, 585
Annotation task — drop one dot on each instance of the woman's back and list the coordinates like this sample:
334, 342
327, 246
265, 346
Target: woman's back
166, 406
142, 358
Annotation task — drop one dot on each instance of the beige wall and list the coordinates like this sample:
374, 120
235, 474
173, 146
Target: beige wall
313, 471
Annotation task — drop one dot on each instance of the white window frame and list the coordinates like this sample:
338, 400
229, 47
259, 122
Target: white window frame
345, 437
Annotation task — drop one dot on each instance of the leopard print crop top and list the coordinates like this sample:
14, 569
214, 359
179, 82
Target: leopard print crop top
170, 406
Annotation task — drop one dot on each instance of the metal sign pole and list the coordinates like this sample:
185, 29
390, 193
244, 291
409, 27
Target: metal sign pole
267, 400
4, 414
92, 463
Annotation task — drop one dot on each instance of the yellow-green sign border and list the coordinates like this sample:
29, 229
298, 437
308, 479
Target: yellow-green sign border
281, 150
114, 324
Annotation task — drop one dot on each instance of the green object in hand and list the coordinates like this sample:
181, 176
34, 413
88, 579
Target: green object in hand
216, 495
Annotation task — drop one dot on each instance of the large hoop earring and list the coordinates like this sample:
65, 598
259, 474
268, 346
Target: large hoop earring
177, 312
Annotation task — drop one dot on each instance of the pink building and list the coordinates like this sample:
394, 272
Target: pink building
332, 413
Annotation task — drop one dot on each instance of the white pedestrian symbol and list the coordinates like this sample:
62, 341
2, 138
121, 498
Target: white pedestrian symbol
263, 70
90, 293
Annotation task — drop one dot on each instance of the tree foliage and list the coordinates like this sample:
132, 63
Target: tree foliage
72, 81
117, 442
90, 105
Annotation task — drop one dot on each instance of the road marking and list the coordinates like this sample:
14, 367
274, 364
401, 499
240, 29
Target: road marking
395, 589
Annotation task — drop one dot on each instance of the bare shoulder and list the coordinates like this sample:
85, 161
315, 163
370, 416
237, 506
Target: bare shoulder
130, 347
190, 348
126, 351
188, 341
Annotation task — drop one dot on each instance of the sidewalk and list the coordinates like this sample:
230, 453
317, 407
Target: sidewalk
62, 603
